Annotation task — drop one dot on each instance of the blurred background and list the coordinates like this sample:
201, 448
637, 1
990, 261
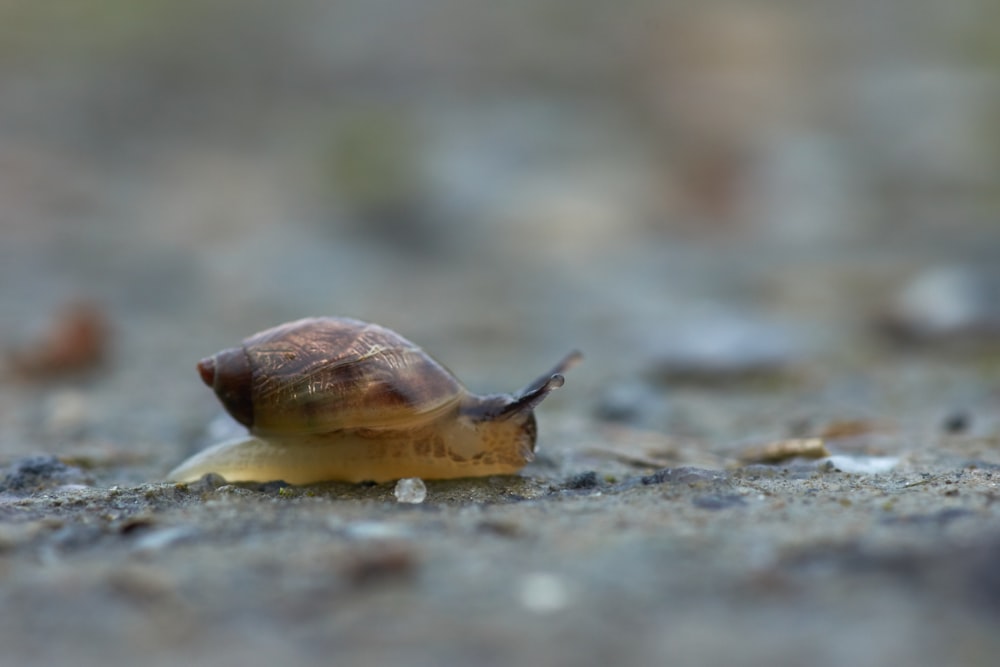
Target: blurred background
688, 187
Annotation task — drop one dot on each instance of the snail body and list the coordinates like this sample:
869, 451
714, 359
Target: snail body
328, 399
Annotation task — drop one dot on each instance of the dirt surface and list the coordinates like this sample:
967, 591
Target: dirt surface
769, 231
637, 535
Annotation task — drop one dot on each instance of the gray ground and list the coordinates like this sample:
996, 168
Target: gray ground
757, 224
636, 537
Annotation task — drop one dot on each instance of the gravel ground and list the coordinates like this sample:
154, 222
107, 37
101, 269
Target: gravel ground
640, 534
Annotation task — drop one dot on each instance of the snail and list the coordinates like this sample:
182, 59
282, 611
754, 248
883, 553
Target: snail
337, 399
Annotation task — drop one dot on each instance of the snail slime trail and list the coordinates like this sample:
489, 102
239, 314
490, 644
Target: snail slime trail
337, 399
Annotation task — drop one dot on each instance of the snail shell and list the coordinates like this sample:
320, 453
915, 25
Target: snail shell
339, 399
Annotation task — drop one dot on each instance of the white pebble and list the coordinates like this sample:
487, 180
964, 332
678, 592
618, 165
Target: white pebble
543, 593
163, 538
370, 530
410, 490
66, 412
870, 465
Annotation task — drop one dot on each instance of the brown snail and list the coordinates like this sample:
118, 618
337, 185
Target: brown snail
338, 399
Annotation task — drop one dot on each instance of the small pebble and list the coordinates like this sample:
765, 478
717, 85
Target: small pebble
384, 562
66, 413
782, 450
630, 403
142, 583
726, 347
37, 473
15, 534
370, 530
683, 475
500, 527
77, 340
717, 501
957, 422
410, 490
946, 303
163, 538
207, 482
136, 524
543, 593
871, 465
585, 480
